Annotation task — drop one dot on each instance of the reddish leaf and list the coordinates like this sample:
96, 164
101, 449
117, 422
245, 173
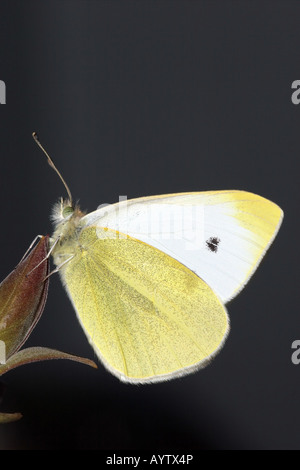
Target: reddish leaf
22, 299
9, 417
28, 355
23, 295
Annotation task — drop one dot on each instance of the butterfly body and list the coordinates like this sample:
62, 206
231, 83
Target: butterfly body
67, 230
149, 277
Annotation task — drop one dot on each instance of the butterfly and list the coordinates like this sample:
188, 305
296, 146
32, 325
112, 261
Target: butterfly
149, 277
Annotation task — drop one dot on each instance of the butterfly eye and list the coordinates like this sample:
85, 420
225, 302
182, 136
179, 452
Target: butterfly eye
67, 211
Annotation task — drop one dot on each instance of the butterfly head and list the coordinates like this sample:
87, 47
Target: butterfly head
64, 210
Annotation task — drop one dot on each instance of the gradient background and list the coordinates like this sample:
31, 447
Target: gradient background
141, 98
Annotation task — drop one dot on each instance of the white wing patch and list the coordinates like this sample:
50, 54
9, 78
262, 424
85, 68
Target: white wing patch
220, 235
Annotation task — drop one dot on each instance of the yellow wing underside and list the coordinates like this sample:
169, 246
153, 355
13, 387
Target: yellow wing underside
148, 317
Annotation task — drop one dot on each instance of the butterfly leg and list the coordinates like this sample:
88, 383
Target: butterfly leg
59, 267
46, 257
31, 245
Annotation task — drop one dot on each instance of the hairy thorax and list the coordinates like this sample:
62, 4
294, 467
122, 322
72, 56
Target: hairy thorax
66, 234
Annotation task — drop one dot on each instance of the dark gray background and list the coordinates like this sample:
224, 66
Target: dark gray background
140, 98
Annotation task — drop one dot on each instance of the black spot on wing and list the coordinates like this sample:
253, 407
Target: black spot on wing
213, 244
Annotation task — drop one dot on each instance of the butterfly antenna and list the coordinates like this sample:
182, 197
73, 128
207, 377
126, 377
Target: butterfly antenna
51, 163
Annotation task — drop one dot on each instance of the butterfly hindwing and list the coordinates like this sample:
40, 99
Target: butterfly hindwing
148, 317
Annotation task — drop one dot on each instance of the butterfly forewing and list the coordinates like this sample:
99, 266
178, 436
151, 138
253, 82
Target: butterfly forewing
220, 235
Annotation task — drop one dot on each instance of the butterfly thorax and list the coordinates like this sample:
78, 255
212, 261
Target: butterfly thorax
68, 225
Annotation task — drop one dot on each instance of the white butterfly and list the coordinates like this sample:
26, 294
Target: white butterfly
149, 277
